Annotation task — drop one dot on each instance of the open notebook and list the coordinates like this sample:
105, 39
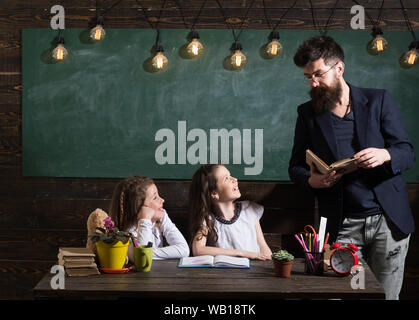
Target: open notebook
214, 262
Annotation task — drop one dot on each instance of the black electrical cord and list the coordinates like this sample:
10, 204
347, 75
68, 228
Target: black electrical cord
323, 32
280, 19
196, 18
374, 24
157, 23
406, 18
236, 37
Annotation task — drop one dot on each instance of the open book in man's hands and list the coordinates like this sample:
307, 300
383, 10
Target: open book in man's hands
347, 164
214, 262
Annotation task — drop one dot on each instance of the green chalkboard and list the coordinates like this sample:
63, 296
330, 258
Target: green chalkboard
102, 113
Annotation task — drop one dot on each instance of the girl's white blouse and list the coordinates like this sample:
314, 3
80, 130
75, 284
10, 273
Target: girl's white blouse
146, 231
242, 233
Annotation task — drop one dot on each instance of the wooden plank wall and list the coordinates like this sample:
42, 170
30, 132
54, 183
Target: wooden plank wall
38, 214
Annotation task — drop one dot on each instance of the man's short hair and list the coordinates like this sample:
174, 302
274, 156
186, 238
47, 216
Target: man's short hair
318, 47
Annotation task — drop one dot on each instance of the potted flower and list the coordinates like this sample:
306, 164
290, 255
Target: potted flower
111, 244
282, 261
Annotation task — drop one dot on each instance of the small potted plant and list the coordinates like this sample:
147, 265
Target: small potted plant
282, 261
111, 244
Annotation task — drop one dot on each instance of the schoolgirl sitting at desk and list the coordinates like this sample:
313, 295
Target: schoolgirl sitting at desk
219, 224
137, 207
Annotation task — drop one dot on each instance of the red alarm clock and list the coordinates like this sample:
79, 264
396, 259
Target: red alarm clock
343, 259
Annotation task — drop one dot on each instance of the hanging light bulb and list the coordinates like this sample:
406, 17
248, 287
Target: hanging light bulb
238, 59
98, 33
273, 48
159, 61
195, 47
378, 44
411, 57
60, 52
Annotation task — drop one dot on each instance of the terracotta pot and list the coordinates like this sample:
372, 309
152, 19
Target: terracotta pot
282, 268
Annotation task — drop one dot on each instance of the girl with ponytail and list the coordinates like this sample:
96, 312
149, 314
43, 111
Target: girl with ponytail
137, 207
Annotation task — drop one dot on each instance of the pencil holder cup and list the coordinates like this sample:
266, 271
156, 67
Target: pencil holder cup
314, 263
143, 258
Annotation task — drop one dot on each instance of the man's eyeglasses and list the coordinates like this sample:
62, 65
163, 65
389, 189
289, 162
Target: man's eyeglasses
314, 76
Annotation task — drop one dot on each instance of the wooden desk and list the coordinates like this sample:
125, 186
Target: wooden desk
166, 281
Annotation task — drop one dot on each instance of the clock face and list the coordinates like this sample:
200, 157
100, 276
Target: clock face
342, 261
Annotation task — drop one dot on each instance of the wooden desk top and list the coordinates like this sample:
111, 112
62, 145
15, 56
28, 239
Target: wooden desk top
167, 281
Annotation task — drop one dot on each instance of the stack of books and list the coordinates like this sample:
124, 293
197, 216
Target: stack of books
77, 261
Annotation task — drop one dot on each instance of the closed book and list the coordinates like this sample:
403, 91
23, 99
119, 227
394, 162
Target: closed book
76, 252
77, 264
75, 257
80, 272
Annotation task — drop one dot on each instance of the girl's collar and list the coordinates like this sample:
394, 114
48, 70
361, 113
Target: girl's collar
237, 210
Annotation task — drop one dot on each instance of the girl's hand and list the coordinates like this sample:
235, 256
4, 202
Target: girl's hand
158, 215
254, 255
263, 256
145, 213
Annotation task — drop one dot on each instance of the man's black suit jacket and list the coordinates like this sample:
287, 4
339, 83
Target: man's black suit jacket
378, 124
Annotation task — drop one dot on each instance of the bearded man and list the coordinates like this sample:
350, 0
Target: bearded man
368, 207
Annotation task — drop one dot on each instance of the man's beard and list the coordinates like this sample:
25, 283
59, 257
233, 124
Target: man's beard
325, 98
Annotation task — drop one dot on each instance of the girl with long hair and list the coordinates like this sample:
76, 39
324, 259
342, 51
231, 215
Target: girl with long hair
137, 207
220, 225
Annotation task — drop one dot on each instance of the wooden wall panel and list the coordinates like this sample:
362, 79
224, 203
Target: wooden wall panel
38, 214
